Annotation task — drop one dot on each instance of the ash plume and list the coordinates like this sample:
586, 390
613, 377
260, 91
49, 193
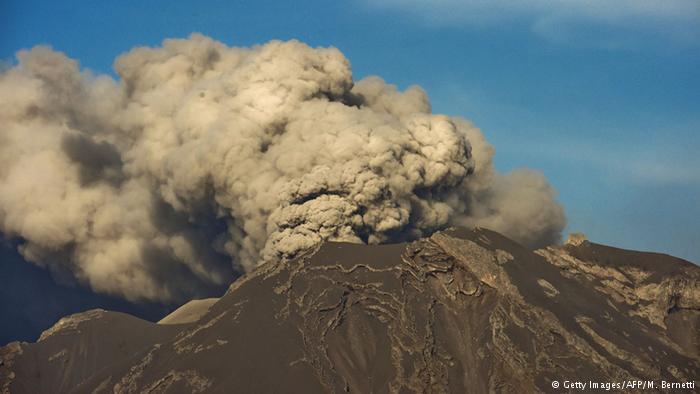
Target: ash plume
202, 160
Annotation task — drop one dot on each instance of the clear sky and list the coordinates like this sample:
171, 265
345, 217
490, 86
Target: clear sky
602, 96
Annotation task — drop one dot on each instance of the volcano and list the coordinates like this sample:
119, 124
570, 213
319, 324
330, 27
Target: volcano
465, 310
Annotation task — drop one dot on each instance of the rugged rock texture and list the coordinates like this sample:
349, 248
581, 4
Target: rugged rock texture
461, 311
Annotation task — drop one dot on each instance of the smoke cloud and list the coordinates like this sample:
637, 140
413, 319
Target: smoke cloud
204, 160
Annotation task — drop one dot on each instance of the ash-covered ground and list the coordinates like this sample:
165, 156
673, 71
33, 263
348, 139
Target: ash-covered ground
460, 311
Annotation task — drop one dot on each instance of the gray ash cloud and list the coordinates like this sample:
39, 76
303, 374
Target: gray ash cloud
201, 160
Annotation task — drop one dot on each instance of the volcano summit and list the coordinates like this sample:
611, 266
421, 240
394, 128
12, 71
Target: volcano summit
460, 311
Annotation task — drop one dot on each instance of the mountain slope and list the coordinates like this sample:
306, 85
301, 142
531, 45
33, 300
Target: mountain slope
461, 311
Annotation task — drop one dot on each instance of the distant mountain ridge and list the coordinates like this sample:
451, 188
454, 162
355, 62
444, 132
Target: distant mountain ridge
460, 311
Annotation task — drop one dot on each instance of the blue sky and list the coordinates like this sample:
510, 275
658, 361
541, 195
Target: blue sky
603, 97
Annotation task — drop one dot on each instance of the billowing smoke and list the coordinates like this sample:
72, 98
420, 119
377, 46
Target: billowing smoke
204, 160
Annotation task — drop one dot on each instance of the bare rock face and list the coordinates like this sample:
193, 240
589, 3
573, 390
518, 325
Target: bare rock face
461, 311
189, 312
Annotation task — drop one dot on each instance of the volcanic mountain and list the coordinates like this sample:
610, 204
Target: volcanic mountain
460, 311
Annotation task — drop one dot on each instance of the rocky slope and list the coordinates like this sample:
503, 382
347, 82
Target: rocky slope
461, 311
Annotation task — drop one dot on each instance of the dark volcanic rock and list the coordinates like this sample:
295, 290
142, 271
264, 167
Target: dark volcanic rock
461, 311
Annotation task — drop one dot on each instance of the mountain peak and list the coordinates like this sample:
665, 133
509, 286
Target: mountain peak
465, 310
